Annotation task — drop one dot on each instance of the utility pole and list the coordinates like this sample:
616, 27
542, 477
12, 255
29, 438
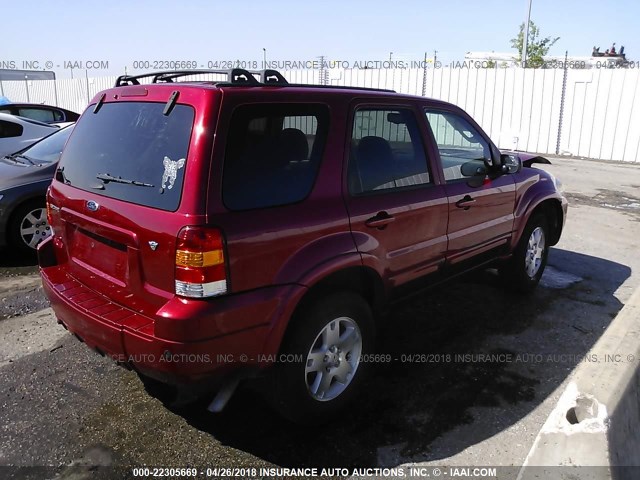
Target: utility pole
26, 84
86, 78
562, 98
424, 75
264, 58
525, 40
324, 73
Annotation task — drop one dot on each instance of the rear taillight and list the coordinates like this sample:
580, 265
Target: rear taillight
48, 203
49, 215
200, 263
53, 213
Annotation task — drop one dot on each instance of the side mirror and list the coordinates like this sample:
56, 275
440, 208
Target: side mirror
474, 168
475, 172
396, 118
510, 163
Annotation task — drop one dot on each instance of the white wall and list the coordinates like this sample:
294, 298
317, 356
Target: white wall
518, 108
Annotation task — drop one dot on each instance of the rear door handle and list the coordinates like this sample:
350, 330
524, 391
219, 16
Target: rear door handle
465, 202
380, 221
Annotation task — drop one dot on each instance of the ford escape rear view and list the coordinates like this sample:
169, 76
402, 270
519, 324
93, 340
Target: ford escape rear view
205, 232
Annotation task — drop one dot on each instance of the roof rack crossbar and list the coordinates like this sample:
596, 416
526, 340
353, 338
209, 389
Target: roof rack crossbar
267, 77
240, 76
234, 77
124, 80
168, 76
272, 77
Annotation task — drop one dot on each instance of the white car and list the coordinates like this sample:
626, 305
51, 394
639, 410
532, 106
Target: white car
17, 133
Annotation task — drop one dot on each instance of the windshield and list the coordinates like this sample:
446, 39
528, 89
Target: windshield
130, 151
48, 149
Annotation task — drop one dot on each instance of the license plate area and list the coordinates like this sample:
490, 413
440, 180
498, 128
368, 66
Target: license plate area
100, 255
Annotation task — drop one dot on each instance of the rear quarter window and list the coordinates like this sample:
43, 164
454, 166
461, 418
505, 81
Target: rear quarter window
272, 154
131, 142
10, 129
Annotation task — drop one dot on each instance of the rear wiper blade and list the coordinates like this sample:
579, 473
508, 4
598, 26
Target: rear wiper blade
107, 177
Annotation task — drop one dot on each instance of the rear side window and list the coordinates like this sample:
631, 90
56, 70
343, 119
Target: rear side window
272, 154
386, 151
130, 151
40, 114
10, 129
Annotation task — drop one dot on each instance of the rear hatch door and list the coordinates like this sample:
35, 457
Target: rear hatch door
120, 189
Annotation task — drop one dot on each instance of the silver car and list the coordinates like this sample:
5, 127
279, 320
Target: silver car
17, 133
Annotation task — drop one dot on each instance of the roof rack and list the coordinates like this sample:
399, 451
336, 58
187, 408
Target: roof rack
235, 77
341, 87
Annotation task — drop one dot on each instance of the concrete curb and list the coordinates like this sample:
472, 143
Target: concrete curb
596, 421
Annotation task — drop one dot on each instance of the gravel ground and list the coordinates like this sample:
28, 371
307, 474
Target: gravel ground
448, 404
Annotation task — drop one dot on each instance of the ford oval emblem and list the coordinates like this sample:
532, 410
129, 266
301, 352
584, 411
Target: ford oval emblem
92, 206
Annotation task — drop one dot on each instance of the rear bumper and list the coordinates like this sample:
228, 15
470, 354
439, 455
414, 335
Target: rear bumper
131, 339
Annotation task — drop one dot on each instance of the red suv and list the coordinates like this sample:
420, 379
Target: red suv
204, 231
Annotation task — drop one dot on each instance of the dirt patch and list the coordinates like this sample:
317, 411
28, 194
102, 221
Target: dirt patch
21, 290
22, 302
610, 199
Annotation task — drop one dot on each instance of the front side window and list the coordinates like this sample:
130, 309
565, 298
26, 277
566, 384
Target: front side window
272, 154
386, 151
459, 143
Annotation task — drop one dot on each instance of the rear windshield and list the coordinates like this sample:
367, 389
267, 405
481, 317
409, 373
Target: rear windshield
130, 151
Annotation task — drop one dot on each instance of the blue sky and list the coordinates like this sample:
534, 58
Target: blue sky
121, 32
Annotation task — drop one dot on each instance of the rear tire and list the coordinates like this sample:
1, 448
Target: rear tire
523, 271
323, 351
29, 226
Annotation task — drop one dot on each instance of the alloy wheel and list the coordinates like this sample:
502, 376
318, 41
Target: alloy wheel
35, 227
535, 252
333, 359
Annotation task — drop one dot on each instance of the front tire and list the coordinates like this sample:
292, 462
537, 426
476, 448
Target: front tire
523, 271
324, 349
